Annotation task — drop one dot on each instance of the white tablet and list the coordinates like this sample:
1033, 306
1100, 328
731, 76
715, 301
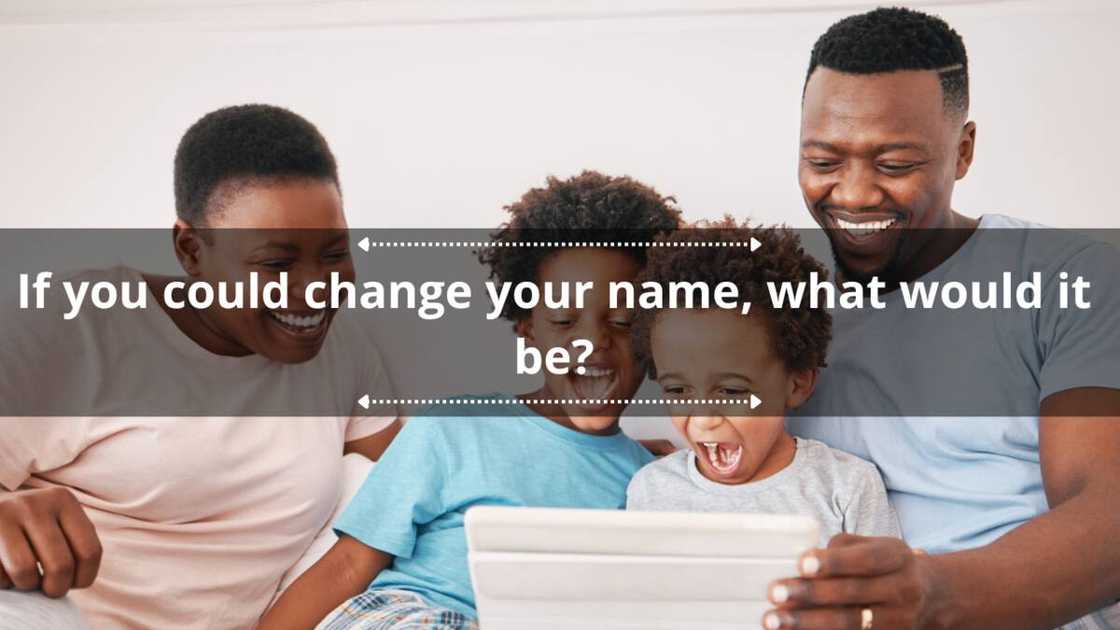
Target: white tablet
562, 568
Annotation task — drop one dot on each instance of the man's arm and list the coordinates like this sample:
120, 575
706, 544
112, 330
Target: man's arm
343, 572
1051, 570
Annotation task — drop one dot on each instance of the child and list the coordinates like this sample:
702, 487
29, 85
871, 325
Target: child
401, 560
714, 360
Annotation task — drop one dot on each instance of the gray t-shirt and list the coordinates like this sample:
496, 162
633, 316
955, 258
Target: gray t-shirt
843, 492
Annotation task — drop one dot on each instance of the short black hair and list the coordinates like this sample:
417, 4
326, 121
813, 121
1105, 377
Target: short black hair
799, 337
246, 143
892, 39
590, 207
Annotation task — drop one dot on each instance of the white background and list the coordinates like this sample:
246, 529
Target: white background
442, 111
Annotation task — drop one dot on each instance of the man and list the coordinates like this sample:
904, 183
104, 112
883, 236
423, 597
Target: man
1009, 489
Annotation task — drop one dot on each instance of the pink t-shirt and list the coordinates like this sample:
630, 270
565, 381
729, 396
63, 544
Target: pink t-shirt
199, 517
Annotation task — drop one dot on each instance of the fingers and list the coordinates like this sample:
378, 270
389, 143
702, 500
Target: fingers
855, 556
838, 592
53, 552
835, 619
84, 544
17, 558
5, 581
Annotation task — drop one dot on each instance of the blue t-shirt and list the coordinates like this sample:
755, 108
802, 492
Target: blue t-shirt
413, 502
957, 393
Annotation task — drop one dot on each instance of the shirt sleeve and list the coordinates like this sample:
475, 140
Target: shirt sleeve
403, 492
381, 413
636, 494
1081, 347
36, 445
869, 512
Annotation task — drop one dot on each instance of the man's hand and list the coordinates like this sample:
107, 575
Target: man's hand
46, 528
900, 587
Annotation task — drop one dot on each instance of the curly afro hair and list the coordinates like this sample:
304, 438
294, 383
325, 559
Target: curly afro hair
891, 39
588, 208
246, 143
799, 337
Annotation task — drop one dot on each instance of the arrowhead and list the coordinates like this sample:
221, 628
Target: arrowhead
364, 244
755, 244
755, 402
364, 401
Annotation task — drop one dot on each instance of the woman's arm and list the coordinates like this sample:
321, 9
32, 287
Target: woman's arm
1059, 566
373, 446
343, 572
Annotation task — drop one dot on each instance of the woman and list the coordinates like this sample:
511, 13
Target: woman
189, 519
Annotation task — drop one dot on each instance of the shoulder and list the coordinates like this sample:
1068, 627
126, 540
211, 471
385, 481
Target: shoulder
836, 465
1040, 247
664, 470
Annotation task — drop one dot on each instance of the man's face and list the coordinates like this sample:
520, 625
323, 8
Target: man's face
879, 157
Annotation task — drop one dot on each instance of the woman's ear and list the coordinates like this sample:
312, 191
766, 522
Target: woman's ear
188, 245
524, 328
799, 387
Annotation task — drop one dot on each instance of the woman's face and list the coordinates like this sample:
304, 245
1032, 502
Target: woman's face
292, 226
610, 369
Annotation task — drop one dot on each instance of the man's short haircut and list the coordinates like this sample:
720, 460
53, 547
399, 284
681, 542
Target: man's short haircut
892, 39
588, 208
245, 144
799, 337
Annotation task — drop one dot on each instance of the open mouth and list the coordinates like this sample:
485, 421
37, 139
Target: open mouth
302, 325
595, 383
723, 456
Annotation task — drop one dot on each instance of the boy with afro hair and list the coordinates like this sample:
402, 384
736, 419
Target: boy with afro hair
401, 560
730, 379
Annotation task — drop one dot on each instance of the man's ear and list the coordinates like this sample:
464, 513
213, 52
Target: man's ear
966, 146
799, 387
524, 328
188, 246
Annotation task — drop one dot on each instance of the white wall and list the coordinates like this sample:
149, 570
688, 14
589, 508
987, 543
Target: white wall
456, 109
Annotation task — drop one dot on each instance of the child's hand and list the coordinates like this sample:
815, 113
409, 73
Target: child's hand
659, 448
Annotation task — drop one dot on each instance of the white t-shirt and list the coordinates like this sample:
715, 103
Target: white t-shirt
199, 517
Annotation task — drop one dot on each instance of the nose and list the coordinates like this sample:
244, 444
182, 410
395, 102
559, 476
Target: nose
597, 332
857, 188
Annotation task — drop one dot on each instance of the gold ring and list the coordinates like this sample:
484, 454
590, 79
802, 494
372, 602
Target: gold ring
866, 618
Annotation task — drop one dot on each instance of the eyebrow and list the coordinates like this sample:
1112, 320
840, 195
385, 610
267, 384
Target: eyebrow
288, 247
719, 376
881, 148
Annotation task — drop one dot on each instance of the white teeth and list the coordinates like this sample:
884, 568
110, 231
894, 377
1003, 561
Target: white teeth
864, 227
720, 459
297, 321
594, 383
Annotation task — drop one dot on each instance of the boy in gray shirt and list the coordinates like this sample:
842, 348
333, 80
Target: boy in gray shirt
730, 379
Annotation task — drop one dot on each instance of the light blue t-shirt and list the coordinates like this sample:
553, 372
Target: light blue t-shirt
957, 393
413, 502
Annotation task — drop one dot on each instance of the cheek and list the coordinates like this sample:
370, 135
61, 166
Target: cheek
680, 423
813, 185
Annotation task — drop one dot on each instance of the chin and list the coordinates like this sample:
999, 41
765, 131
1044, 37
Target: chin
595, 424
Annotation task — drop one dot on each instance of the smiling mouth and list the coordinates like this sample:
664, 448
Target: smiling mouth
724, 458
863, 228
299, 324
595, 383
